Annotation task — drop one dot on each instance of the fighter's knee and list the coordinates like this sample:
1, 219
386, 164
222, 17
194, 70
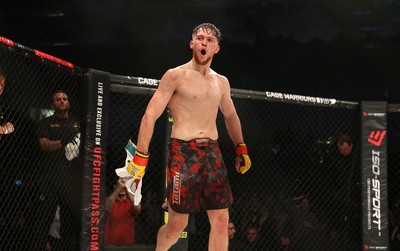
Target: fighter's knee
222, 228
222, 218
220, 222
174, 229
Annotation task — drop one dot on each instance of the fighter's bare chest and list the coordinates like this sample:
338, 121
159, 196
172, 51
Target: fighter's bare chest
200, 90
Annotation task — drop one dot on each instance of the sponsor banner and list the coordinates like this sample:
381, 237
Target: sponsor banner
374, 176
96, 91
138, 81
299, 98
147, 81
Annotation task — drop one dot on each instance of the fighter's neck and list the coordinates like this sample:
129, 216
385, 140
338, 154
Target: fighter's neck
202, 69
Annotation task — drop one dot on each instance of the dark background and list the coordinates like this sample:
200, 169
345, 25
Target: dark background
343, 49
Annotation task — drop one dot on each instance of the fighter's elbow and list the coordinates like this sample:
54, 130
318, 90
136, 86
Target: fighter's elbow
149, 118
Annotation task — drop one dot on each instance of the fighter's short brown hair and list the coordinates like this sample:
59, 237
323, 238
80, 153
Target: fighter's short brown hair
208, 26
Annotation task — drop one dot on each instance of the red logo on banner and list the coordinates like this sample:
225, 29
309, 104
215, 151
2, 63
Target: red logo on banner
376, 138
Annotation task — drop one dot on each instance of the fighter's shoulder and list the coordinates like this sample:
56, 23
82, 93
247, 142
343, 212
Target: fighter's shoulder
221, 79
219, 76
174, 73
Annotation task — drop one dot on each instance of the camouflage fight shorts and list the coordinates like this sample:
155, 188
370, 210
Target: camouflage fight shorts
197, 178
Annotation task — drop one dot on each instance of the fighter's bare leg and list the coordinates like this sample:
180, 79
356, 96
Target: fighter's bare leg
169, 233
219, 220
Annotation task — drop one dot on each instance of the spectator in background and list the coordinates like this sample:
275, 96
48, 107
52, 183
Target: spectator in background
17, 190
121, 216
250, 214
234, 243
252, 241
307, 230
268, 227
345, 191
231, 230
5, 127
284, 226
59, 139
349, 161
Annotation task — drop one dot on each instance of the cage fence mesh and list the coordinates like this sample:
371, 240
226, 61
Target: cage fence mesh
33, 182
300, 194
288, 196
126, 111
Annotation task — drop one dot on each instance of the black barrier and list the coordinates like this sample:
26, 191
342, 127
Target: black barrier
374, 176
300, 193
95, 132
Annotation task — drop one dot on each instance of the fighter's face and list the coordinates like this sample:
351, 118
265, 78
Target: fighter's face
60, 102
204, 45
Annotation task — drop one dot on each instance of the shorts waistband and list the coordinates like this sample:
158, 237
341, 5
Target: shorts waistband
199, 141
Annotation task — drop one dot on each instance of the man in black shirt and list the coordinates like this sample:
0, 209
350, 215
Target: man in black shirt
59, 139
345, 191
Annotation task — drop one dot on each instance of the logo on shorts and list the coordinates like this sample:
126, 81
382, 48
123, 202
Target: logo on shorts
202, 140
177, 189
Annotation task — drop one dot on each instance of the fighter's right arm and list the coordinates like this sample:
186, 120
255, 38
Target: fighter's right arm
156, 107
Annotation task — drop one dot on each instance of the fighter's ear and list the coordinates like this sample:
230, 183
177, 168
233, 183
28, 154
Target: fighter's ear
217, 49
191, 44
